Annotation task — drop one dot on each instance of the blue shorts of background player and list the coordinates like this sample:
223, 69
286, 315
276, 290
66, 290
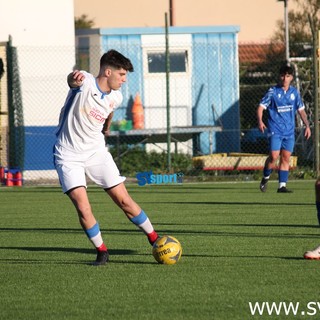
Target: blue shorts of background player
279, 142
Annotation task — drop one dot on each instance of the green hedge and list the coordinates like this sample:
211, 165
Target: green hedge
136, 159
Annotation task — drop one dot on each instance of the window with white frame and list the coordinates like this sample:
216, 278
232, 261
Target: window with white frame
178, 62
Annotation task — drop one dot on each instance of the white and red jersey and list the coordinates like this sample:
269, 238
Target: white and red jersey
83, 115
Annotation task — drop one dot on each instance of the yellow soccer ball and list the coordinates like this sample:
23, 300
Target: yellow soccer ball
167, 250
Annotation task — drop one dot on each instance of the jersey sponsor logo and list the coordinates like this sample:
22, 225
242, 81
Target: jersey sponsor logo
96, 114
285, 108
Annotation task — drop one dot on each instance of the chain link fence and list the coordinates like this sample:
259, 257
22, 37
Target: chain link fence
259, 69
209, 99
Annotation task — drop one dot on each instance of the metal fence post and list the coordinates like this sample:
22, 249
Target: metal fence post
316, 51
168, 95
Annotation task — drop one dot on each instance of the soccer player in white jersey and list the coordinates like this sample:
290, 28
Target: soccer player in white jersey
281, 102
80, 149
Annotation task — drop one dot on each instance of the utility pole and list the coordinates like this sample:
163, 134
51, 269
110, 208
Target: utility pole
172, 12
286, 28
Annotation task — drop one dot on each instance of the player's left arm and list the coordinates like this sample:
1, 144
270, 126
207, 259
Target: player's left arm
107, 124
304, 119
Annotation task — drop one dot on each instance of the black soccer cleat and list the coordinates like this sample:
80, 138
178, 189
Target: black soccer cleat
284, 190
102, 258
264, 184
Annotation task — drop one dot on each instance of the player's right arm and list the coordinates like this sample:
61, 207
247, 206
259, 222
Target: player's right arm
107, 125
75, 79
261, 124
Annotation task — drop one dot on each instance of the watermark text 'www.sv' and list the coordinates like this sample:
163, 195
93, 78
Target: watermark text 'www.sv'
282, 308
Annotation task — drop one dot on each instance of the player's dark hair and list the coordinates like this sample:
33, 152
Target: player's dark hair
286, 69
116, 60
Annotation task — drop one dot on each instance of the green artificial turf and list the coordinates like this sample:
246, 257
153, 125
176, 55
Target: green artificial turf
239, 246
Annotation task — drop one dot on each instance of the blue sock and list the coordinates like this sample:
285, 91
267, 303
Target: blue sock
142, 221
283, 176
318, 210
95, 237
139, 219
267, 172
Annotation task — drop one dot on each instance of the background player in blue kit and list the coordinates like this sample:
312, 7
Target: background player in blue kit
80, 149
281, 102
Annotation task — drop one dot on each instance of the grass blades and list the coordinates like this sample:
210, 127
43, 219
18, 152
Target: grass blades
239, 246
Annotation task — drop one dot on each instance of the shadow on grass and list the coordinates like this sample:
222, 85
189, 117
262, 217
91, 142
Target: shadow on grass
241, 257
32, 189
71, 250
312, 226
113, 253
277, 204
59, 230
70, 262
117, 252
163, 231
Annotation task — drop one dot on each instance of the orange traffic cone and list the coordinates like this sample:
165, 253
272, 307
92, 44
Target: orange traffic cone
2, 175
137, 113
17, 178
9, 181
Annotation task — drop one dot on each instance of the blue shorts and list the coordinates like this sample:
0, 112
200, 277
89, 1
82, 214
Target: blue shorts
278, 142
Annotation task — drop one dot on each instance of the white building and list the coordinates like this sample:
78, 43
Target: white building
43, 34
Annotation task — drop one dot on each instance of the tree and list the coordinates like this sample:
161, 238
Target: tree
299, 33
303, 26
83, 22
311, 9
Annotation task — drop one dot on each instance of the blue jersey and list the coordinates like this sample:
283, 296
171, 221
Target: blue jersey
282, 106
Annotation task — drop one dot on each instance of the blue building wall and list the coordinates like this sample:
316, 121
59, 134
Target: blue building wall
39, 142
215, 87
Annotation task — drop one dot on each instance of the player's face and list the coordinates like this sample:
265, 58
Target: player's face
116, 78
285, 79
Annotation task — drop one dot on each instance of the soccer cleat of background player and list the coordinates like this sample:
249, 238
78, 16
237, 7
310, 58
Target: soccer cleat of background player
313, 254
